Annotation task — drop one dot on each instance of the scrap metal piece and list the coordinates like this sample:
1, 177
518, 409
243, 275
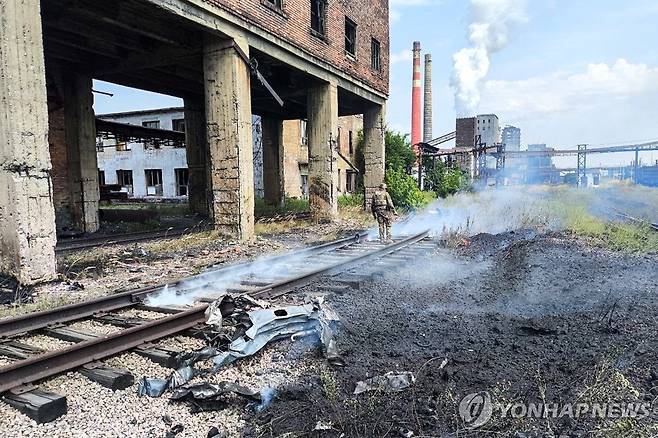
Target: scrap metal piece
272, 324
389, 382
152, 387
207, 391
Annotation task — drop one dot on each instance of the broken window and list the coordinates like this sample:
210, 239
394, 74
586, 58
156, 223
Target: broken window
277, 3
319, 17
101, 177
125, 180
351, 142
152, 124
351, 181
122, 146
340, 182
153, 182
178, 125
99, 145
304, 186
350, 37
375, 55
182, 178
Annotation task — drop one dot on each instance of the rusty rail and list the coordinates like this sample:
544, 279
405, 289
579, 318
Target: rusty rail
55, 362
34, 321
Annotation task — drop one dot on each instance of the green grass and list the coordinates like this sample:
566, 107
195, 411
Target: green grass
264, 208
163, 209
349, 201
616, 236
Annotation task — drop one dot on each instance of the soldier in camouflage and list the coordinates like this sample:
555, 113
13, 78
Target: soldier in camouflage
383, 210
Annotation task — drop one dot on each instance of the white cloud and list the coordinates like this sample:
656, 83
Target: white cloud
598, 87
402, 56
395, 7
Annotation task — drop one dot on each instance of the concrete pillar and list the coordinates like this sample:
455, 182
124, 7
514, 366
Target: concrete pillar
229, 134
80, 134
273, 160
374, 132
27, 216
322, 131
197, 156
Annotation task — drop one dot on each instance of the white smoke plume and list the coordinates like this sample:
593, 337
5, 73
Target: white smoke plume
492, 22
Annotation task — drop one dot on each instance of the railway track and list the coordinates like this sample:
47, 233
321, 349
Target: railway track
76, 244
347, 260
68, 245
653, 226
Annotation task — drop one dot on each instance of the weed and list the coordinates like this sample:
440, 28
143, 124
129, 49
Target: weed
330, 387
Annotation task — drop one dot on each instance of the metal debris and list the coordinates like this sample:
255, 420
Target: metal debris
259, 328
389, 382
324, 425
213, 397
271, 324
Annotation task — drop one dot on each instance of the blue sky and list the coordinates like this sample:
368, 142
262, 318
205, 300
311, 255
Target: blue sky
573, 71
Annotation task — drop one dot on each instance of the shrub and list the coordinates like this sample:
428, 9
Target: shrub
264, 208
350, 201
404, 190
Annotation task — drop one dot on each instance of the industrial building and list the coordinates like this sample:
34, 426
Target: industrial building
145, 169
227, 60
150, 170
511, 138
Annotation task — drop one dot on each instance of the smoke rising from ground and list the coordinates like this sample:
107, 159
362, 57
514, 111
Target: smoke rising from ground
492, 22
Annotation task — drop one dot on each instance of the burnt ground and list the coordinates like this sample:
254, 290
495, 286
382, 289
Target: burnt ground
527, 318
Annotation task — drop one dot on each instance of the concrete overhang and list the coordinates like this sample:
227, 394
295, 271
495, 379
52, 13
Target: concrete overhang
218, 20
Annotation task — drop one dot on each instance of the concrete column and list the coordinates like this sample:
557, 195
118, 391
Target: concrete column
374, 132
80, 133
322, 131
197, 156
273, 160
27, 216
229, 133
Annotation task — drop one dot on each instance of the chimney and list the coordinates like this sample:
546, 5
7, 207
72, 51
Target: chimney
415, 97
427, 115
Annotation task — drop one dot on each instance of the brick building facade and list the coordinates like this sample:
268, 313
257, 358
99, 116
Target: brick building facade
292, 23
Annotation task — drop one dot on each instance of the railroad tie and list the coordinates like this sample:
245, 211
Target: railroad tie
39, 405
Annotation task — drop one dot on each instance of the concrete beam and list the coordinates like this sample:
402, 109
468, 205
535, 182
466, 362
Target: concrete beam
217, 19
229, 134
197, 156
374, 131
80, 132
27, 216
322, 131
273, 160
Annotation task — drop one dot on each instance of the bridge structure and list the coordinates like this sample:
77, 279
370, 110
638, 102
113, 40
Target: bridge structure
479, 152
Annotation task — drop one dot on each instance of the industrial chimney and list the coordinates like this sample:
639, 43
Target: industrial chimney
427, 115
415, 97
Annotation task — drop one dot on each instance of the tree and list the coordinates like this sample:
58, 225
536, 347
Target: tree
444, 181
400, 159
399, 153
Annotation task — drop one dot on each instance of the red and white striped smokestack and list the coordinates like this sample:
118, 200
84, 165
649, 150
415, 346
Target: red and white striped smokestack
415, 97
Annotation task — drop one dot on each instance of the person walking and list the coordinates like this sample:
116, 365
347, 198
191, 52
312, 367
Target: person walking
383, 210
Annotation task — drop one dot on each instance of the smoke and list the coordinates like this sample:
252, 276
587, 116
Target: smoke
492, 22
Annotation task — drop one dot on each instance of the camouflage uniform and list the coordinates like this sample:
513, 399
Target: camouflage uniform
383, 210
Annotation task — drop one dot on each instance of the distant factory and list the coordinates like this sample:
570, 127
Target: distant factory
494, 156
